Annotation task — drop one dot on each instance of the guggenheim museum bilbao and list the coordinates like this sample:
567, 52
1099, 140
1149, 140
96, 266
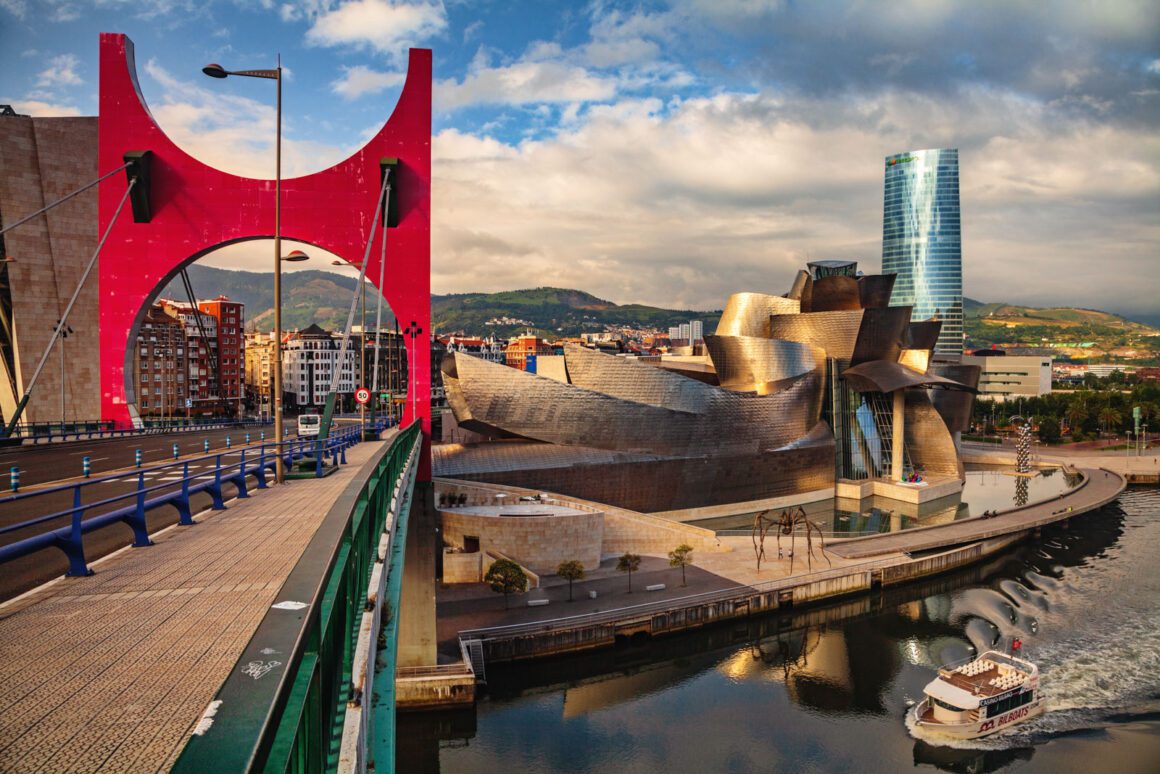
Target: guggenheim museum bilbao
824, 387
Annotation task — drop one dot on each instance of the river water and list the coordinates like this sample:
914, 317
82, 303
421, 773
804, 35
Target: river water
827, 689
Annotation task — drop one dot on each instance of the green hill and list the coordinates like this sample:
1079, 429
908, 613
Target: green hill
1072, 331
324, 298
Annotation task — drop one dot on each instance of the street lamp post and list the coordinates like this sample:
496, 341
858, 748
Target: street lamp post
217, 71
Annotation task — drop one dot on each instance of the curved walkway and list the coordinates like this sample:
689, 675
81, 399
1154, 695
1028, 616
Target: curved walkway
1098, 489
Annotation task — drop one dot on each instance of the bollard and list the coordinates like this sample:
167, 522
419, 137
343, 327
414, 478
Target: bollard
247, 439
175, 454
227, 442
205, 446
262, 436
137, 457
14, 477
86, 465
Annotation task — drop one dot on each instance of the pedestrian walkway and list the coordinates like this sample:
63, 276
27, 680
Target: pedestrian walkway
1100, 488
111, 672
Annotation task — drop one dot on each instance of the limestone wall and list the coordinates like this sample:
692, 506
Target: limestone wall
540, 543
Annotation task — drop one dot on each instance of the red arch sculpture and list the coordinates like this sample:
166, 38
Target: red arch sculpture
196, 208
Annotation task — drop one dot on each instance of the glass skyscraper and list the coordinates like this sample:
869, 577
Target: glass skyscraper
922, 240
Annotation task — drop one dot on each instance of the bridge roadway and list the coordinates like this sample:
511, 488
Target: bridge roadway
1099, 488
56, 464
111, 672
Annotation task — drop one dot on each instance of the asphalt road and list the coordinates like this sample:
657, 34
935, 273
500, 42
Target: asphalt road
54, 465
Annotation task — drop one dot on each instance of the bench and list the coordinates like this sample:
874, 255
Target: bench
655, 587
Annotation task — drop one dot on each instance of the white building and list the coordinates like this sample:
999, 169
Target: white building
308, 364
698, 330
1006, 377
674, 332
685, 332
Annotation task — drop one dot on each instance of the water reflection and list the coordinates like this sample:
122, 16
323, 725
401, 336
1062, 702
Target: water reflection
827, 687
984, 490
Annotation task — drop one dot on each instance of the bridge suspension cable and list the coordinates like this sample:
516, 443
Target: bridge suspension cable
60, 326
63, 199
380, 206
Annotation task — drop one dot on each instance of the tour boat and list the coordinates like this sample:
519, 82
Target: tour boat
980, 696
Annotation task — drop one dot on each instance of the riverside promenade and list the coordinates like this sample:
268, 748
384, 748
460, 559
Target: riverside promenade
112, 672
727, 584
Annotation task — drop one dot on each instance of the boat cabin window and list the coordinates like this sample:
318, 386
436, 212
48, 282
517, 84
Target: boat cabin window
946, 706
1018, 700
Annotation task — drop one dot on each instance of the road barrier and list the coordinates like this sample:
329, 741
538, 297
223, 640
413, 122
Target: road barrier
317, 705
131, 508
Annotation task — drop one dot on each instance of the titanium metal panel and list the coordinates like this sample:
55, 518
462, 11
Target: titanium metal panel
955, 406
801, 283
917, 359
887, 376
835, 332
746, 313
836, 293
923, 334
881, 334
632, 380
874, 290
714, 421
927, 438
745, 363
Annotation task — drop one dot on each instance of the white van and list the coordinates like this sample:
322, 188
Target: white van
309, 425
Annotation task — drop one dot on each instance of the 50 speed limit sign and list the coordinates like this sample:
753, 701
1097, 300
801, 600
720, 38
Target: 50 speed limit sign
362, 396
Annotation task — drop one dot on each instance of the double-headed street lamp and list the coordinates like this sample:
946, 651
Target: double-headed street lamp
217, 71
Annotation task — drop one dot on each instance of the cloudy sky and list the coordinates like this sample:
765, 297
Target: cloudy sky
674, 152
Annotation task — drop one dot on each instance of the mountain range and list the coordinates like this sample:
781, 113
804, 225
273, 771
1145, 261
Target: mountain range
324, 298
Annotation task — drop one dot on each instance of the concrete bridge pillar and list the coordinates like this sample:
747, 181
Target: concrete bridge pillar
417, 637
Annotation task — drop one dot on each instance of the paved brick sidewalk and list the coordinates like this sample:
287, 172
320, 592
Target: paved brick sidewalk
109, 673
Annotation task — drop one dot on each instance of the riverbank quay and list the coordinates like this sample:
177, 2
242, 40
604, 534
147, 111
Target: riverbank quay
112, 672
793, 580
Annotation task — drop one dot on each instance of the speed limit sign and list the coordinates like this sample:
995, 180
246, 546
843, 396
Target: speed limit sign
362, 396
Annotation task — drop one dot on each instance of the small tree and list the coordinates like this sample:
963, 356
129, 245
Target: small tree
505, 576
571, 570
681, 556
628, 563
1048, 430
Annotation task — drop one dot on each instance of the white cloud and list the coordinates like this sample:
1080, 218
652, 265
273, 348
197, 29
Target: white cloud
17, 8
359, 80
526, 82
61, 71
233, 133
684, 206
40, 108
380, 25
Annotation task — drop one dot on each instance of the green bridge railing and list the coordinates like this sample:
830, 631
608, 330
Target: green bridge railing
285, 704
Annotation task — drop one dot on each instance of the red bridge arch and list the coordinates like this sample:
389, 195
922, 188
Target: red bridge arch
196, 208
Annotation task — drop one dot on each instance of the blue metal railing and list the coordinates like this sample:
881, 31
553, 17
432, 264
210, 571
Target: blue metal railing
47, 432
229, 467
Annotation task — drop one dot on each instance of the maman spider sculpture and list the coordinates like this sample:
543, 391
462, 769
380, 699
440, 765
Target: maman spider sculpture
786, 524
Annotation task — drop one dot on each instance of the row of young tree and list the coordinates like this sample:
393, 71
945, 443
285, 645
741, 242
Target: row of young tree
507, 577
1079, 415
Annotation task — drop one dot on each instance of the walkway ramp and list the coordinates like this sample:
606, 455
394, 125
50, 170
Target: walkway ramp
1099, 488
111, 672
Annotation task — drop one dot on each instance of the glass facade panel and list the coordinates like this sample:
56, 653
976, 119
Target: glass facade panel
921, 239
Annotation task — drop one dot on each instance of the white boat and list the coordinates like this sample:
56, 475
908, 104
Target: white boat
980, 696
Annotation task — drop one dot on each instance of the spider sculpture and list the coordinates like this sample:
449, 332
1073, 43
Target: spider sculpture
788, 524
785, 524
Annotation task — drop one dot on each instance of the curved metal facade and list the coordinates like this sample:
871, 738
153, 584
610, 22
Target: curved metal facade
747, 314
799, 393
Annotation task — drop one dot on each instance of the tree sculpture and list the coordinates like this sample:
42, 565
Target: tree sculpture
788, 524
681, 556
505, 577
571, 570
629, 563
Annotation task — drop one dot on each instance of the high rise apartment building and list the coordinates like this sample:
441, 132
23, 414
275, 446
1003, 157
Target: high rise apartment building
161, 363
231, 348
308, 365
922, 239
698, 330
